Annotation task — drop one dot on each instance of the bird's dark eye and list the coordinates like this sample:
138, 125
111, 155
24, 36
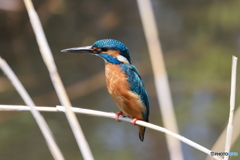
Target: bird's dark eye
104, 49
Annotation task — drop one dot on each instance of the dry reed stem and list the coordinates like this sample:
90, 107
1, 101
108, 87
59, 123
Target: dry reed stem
111, 115
232, 106
49, 61
160, 77
55, 151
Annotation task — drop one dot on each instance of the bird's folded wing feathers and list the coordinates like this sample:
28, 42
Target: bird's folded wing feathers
137, 85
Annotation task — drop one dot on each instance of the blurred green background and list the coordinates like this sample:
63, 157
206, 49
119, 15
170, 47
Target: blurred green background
198, 40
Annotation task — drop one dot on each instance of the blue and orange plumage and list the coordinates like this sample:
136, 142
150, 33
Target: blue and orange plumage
123, 81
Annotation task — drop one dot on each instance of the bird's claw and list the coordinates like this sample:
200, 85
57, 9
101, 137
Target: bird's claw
134, 121
117, 116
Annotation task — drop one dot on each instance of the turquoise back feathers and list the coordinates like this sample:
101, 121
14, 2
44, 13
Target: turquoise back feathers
137, 86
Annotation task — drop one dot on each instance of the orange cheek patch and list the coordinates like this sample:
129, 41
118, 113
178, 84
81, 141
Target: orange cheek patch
113, 53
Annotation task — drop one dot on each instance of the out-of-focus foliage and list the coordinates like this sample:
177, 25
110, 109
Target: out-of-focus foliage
198, 39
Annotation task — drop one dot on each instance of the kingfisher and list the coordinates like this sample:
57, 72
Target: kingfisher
123, 80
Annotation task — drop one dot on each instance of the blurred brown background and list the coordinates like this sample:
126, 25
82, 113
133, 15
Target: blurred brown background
198, 39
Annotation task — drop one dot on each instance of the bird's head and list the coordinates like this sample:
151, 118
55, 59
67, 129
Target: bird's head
112, 51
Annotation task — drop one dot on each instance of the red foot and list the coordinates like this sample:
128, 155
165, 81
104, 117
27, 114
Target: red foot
117, 116
134, 121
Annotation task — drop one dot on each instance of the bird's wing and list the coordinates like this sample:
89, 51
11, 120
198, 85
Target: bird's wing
137, 86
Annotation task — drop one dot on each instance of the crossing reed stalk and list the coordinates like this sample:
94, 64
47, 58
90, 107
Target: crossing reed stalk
55, 151
60, 90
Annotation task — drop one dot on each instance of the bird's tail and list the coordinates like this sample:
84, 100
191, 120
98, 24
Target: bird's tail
141, 131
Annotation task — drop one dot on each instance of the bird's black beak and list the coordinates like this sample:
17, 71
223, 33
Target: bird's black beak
86, 49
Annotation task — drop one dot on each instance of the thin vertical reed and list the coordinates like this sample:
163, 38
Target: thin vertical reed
232, 106
160, 76
49, 61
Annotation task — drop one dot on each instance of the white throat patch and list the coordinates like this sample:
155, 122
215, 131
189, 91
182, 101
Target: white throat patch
122, 59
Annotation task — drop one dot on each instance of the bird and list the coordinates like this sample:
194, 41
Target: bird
123, 80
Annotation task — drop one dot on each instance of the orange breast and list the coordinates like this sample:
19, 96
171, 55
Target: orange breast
117, 84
